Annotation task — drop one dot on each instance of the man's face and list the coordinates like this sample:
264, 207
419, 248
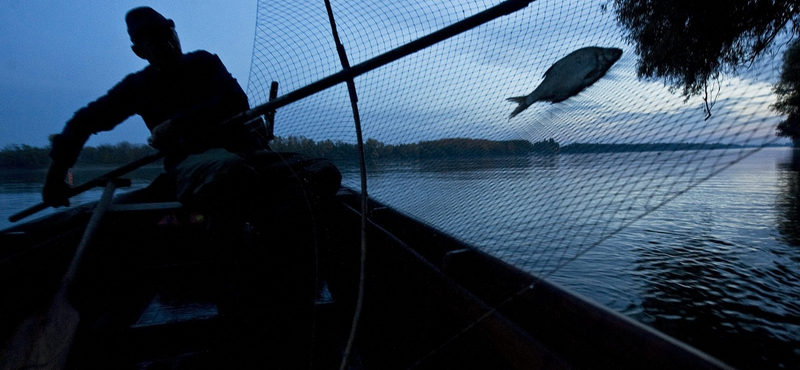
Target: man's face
160, 47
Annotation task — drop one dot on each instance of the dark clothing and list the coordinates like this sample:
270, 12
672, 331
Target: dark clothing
195, 96
261, 208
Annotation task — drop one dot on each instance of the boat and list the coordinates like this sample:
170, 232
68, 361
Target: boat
429, 300
410, 297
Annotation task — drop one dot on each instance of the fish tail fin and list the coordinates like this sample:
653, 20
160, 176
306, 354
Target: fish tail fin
521, 107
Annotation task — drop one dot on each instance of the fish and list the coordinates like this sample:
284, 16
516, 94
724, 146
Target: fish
569, 76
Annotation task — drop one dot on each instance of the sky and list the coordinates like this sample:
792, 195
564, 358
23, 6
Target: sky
56, 56
459, 87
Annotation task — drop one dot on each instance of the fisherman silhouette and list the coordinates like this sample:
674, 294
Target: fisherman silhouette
180, 96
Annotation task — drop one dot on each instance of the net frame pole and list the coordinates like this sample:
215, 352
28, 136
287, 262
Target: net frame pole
347, 74
351, 88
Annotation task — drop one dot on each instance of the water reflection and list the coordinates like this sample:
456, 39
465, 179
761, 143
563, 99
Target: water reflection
710, 294
446, 166
716, 267
788, 202
450, 165
21, 181
20, 189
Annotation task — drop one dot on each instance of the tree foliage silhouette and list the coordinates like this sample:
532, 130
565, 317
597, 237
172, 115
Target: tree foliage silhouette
689, 43
788, 92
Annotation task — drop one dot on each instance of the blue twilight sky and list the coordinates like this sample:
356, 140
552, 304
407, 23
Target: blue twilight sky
56, 56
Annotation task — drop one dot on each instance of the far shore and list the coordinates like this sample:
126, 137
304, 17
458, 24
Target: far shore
105, 156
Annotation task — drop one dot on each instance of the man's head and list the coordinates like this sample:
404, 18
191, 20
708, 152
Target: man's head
153, 37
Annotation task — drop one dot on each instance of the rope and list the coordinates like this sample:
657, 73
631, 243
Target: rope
351, 88
572, 215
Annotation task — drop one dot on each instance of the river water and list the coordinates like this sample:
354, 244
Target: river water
709, 256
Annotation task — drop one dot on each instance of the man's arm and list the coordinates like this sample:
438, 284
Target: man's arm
100, 115
55, 191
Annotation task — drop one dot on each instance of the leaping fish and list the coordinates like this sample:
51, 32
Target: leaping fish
569, 76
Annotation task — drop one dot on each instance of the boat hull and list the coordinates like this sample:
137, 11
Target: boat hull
429, 300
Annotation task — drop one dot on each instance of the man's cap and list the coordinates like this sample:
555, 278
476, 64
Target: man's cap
144, 19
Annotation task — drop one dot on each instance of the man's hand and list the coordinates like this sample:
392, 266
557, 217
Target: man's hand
163, 136
56, 191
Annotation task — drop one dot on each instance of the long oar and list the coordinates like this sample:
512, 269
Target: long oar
43, 342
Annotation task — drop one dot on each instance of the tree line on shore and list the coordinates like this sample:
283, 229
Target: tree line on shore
443, 148
26, 156
29, 157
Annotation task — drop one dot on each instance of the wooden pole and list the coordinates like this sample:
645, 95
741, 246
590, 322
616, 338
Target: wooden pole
43, 342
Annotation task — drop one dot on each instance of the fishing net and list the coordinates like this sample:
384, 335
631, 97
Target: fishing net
551, 190
457, 89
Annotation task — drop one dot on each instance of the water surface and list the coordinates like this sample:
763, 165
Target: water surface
710, 258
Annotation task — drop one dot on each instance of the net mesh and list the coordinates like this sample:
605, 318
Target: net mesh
550, 191
546, 209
